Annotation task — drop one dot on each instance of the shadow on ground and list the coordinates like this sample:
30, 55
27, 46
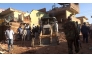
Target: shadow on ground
50, 49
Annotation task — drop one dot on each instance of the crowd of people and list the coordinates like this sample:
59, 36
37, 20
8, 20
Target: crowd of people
72, 31
25, 33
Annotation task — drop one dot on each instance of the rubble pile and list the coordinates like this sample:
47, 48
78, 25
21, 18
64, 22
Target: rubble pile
57, 49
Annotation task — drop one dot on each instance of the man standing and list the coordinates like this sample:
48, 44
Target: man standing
56, 27
9, 36
85, 32
20, 32
71, 32
24, 33
28, 33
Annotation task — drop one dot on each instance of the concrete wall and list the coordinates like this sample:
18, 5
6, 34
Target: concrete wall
1, 20
80, 20
16, 14
84, 20
61, 16
11, 16
76, 19
26, 14
68, 13
36, 16
73, 17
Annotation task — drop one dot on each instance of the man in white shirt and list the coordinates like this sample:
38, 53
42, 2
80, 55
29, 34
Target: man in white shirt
9, 33
56, 26
28, 26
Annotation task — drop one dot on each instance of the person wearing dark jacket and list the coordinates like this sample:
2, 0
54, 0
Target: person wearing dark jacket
85, 32
33, 32
71, 35
78, 27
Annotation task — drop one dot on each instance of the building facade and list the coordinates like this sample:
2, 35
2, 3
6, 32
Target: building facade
64, 11
13, 14
83, 19
36, 17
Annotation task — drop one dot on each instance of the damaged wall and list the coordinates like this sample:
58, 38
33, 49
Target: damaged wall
36, 16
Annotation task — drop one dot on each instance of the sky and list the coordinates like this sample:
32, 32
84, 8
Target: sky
85, 8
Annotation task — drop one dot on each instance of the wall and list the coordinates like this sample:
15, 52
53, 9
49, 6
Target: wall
61, 16
68, 13
11, 14
73, 17
26, 14
35, 16
84, 20
76, 19
1, 20
16, 15
81, 19
27, 19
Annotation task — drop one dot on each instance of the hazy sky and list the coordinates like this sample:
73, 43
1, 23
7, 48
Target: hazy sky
85, 8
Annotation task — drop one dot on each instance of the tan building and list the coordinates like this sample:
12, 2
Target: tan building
64, 11
36, 15
76, 19
13, 14
82, 19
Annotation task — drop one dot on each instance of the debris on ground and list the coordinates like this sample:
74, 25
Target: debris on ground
57, 49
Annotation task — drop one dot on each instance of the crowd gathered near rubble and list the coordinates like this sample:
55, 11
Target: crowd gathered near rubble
71, 29
25, 33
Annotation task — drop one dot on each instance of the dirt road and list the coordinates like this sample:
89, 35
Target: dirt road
58, 49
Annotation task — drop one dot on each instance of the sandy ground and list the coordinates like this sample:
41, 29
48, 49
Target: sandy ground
57, 49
